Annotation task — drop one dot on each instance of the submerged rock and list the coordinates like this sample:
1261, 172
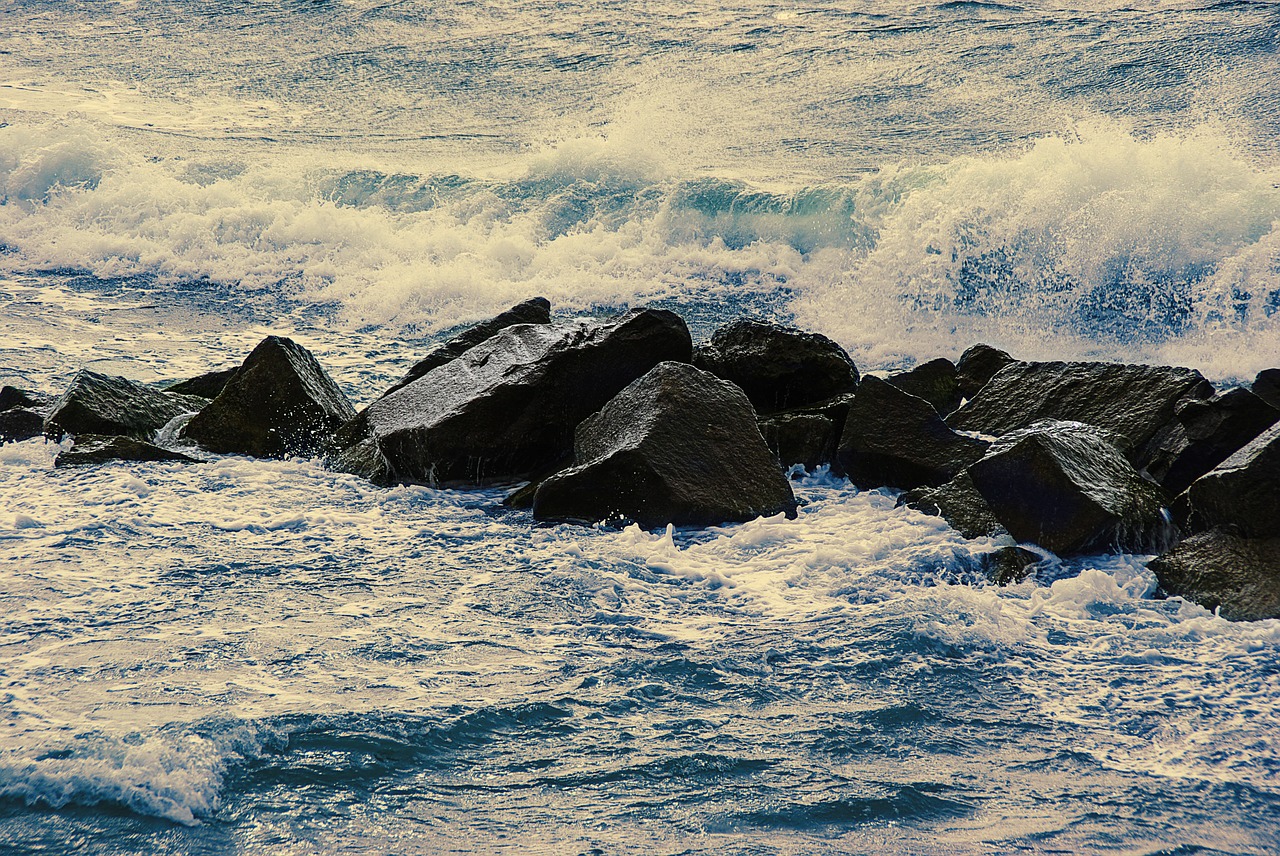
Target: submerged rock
935, 381
534, 311
19, 423
978, 365
892, 439
1067, 487
678, 446
102, 404
507, 408
1243, 491
778, 367
1221, 569
207, 385
1206, 433
1132, 402
280, 402
1008, 565
99, 449
959, 503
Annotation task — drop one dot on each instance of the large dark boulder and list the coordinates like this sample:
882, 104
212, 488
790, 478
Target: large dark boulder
280, 402
892, 439
935, 381
1243, 491
777, 367
536, 310
1267, 386
507, 408
978, 365
1068, 487
959, 503
678, 446
1206, 433
1221, 569
1132, 402
208, 385
99, 449
102, 404
19, 423
11, 398
806, 435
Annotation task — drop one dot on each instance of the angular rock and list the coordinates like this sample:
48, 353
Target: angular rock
807, 439
1267, 386
507, 408
957, 502
777, 367
678, 446
11, 397
1243, 491
978, 365
892, 439
19, 423
935, 381
280, 402
534, 311
1008, 565
1206, 433
207, 385
1221, 569
99, 449
1133, 402
102, 404
1068, 487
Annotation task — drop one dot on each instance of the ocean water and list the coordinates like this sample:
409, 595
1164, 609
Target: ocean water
268, 658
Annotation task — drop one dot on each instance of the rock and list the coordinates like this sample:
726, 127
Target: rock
778, 367
1132, 402
1008, 565
19, 423
1068, 487
102, 404
207, 385
935, 381
892, 439
534, 311
11, 397
1206, 433
678, 446
959, 503
807, 439
99, 449
507, 408
279, 402
1220, 569
1243, 491
977, 366
1267, 386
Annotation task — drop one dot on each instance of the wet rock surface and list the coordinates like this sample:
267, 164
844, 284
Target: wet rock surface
91, 449
678, 446
11, 397
935, 381
280, 402
508, 407
892, 439
778, 367
959, 503
19, 423
207, 385
103, 404
1205, 433
976, 366
1243, 491
1267, 386
1223, 570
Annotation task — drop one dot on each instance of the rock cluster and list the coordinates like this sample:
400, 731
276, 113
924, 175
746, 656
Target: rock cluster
623, 419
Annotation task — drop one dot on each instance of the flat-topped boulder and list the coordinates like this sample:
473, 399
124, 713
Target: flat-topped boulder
1223, 570
977, 365
103, 404
777, 367
507, 408
893, 439
536, 310
935, 381
1243, 491
19, 423
207, 385
91, 449
1207, 432
1067, 487
679, 446
279, 402
1132, 402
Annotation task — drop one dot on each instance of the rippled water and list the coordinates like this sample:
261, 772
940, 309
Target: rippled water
265, 657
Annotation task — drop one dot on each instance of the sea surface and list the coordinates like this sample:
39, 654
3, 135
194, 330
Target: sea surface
264, 657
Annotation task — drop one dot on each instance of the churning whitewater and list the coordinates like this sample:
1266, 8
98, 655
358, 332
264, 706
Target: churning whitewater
267, 657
